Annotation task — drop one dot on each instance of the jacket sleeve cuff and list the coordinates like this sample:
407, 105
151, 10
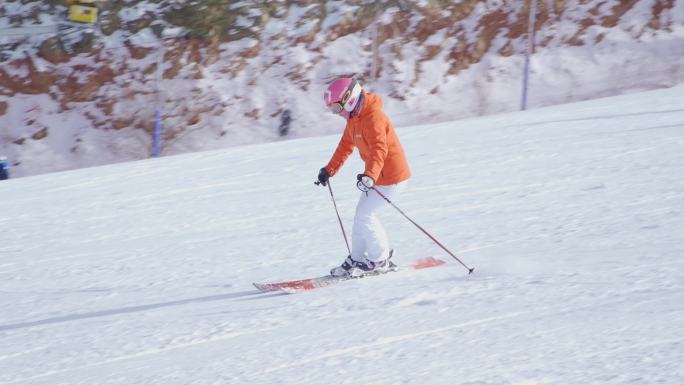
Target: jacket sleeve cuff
373, 175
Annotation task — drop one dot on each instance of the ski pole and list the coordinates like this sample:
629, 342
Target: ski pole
344, 234
470, 270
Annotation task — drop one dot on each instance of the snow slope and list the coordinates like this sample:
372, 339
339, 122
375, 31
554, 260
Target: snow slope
140, 273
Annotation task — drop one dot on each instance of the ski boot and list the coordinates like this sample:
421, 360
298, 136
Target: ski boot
344, 269
355, 269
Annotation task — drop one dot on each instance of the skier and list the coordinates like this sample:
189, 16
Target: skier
386, 169
285, 120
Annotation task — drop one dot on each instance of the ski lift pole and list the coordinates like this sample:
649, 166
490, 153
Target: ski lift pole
528, 54
470, 270
344, 233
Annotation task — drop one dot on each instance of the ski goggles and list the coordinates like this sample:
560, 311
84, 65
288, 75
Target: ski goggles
338, 107
353, 91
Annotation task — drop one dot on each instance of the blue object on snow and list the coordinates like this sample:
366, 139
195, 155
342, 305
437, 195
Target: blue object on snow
4, 168
156, 136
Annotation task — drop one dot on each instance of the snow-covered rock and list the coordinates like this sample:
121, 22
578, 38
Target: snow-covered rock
230, 69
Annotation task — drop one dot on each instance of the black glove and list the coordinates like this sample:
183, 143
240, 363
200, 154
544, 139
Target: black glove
323, 176
364, 182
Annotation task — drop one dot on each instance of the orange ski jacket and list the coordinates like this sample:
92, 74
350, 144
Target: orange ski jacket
373, 134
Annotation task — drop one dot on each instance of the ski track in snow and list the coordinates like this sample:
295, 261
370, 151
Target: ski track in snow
140, 273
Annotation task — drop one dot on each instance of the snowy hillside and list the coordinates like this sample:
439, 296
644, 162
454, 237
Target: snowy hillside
230, 69
141, 273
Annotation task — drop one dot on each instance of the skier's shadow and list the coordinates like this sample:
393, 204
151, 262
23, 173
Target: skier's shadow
250, 294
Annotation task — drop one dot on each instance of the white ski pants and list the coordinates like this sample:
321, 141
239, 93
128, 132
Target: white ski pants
369, 239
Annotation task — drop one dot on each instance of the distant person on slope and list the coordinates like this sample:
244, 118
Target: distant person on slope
386, 170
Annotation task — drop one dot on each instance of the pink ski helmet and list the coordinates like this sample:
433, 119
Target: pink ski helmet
342, 96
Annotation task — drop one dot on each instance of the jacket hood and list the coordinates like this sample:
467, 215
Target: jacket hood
371, 103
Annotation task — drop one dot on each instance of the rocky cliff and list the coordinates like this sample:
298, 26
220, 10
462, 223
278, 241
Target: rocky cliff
222, 73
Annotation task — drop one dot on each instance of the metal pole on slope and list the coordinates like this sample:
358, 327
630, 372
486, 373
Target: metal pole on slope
528, 53
470, 270
374, 60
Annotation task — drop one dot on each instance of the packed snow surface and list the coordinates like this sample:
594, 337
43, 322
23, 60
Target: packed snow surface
141, 273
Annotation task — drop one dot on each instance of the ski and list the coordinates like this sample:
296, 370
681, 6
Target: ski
297, 286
